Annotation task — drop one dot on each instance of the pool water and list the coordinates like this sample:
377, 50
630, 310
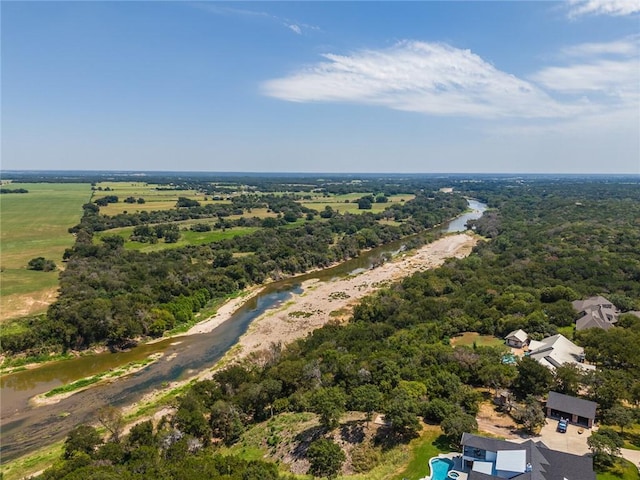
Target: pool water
439, 468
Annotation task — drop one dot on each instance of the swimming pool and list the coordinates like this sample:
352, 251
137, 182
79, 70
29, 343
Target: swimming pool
440, 467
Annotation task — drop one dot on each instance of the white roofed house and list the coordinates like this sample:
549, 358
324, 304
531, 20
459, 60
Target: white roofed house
517, 338
557, 350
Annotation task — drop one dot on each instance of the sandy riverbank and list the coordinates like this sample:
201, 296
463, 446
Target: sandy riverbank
313, 308
321, 302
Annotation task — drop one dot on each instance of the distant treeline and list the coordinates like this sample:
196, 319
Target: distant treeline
13, 190
111, 294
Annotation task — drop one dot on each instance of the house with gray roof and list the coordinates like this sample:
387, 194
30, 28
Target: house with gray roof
557, 350
573, 409
595, 312
492, 459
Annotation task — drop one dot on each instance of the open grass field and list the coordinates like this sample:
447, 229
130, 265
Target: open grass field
187, 237
35, 224
154, 199
338, 203
469, 338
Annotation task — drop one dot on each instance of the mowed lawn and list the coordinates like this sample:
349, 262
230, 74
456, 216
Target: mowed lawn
35, 224
469, 338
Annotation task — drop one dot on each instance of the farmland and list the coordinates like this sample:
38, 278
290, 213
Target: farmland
35, 224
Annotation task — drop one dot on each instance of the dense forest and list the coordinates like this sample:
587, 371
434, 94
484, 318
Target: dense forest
548, 243
109, 294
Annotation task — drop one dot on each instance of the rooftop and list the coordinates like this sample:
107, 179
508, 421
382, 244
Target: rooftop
569, 404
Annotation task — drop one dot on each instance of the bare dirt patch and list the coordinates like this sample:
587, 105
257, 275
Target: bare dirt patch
492, 421
22, 305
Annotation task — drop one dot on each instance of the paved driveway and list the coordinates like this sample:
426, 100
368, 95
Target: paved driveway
632, 455
569, 442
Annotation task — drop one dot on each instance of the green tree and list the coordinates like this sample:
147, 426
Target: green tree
365, 203
567, 379
329, 404
532, 379
605, 444
458, 423
366, 398
189, 417
226, 422
41, 264
496, 375
82, 438
618, 415
325, 458
401, 414
530, 414
141, 434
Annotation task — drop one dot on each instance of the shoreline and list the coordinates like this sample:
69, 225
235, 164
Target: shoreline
322, 302
313, 308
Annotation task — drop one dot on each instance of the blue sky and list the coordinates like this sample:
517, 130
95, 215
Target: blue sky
460, 87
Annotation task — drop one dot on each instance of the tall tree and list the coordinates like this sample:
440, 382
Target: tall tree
325, 458
530, 414
532, 379
329, 403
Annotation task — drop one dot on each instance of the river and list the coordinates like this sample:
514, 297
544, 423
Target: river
26, 428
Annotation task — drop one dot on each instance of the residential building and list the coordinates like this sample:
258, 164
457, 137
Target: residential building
557, 350
595, 312
493, 459
576, 410
517, 338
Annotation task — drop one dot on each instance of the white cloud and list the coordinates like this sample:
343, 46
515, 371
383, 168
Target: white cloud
216, 9
295, 28
430, 78
437, 79
626, 47
578, 8
605, 76
609, 69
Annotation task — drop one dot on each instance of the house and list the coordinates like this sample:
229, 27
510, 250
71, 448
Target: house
493, 459
595, 312
557, 350
575, 410
517, 338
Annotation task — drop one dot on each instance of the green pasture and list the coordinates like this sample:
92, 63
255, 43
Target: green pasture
154, 199
187, 237
339, 203
35, 224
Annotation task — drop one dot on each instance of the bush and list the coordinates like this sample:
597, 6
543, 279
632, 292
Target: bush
41, 264
364, 457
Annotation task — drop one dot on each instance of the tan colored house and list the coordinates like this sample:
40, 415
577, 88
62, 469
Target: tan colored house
517, 338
